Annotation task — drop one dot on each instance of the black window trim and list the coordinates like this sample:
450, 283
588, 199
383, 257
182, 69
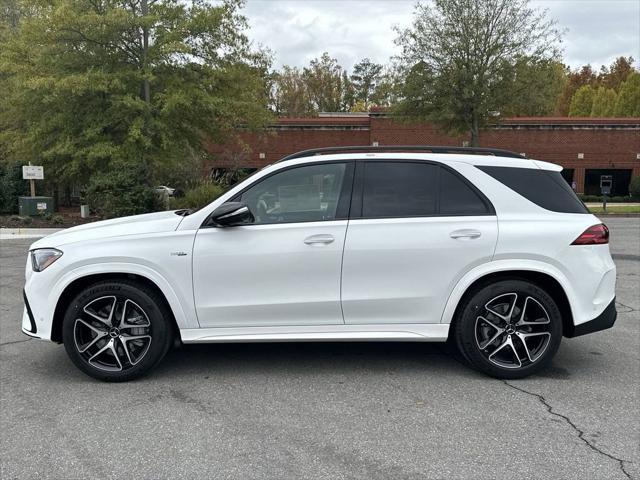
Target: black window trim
344, 203
358, 191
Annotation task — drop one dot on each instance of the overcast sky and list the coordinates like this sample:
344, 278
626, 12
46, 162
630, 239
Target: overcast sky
597, 31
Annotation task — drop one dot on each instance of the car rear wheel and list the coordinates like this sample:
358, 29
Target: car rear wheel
117, 330
509, 329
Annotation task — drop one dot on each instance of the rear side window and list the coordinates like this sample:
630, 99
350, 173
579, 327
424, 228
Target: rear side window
545, 188
395, 189
457, 198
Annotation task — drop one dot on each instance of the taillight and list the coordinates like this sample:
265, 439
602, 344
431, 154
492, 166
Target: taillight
595, 235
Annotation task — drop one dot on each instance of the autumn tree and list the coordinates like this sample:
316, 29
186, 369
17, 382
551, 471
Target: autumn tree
460, 57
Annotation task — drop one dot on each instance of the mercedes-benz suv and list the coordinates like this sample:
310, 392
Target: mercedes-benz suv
489, 250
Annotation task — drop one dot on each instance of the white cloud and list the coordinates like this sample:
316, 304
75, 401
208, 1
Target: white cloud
298, 30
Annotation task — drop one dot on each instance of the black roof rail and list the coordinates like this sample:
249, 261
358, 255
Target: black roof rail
401, 148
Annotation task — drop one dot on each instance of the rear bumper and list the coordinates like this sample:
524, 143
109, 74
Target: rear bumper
603, 321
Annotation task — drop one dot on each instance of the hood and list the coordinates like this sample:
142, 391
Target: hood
134, 225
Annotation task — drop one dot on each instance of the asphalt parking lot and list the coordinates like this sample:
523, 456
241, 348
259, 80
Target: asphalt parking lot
335, 410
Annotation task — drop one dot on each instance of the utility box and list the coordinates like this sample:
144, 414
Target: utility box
30, 206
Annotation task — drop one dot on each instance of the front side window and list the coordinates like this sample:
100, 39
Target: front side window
309, 193
399, 189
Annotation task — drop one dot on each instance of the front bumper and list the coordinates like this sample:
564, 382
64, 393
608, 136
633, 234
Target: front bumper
603, 321
28, 322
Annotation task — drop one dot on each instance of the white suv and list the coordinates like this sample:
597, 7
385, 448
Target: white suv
481, 247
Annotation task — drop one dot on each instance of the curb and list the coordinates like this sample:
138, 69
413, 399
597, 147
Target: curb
17, 233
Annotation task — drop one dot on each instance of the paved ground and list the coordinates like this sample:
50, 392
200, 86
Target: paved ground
331, 411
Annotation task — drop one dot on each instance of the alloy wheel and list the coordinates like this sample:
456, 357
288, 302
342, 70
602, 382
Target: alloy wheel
112, 333
513, 331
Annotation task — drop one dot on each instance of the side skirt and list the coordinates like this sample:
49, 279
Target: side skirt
432, 332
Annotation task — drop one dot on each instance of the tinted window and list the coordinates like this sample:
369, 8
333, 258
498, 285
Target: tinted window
399, 189
303, 194
545, 188
458, 198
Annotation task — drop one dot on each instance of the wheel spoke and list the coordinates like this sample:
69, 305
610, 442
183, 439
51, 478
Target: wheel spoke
523, 339
99, 335
504, 317
123, 320
109, 346
106, 321
125, 341
541, 321
507, 343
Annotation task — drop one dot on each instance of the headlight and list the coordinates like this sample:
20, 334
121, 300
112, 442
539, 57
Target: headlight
41, 258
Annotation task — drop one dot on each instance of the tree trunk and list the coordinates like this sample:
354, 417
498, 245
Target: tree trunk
475, 130
145, 48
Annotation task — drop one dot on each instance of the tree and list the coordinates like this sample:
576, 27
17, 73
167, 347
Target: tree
582, 102
604, 102
575, 80
365, 78
290, 97
535, 87
459, 58
614, 76
325, 84
94, 85
628, 102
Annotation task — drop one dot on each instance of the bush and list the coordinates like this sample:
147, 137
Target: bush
124, 190
12, 186
57, 219
198, 197
634, 187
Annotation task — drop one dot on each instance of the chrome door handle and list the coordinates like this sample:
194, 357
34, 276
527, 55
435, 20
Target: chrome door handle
465, 233
323, 239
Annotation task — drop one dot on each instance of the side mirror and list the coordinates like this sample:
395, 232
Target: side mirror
231, 214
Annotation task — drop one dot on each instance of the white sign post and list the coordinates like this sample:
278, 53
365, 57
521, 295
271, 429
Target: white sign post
31, 173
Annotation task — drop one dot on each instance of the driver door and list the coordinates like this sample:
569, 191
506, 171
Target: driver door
284, 269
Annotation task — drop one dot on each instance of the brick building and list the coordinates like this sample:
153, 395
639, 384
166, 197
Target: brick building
585, 147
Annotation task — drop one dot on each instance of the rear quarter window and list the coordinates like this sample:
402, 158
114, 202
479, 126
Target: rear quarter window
545, 188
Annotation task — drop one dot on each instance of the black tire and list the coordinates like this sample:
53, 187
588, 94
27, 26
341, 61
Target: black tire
527, 342
142, 325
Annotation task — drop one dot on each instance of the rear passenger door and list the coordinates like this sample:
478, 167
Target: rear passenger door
415, 229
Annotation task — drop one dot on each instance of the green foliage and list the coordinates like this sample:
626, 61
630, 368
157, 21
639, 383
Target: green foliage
11, 186
604, 102
461, 59
57, 219
634, 187
582, 102
198, 197
125, 190
365, 79
88, 84
628, 103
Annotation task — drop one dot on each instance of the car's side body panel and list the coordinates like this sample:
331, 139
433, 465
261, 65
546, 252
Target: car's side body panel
258, 275
402, 269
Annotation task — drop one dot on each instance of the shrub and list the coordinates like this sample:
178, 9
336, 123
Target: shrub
12, 186
634, 187
47, 217
198, 197
124, 190
57, 219
26, 220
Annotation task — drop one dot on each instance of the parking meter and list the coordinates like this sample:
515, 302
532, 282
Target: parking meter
605, 188
605, 184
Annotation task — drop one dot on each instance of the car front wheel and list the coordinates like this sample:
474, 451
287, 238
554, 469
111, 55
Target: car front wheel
116, 330
509, 329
